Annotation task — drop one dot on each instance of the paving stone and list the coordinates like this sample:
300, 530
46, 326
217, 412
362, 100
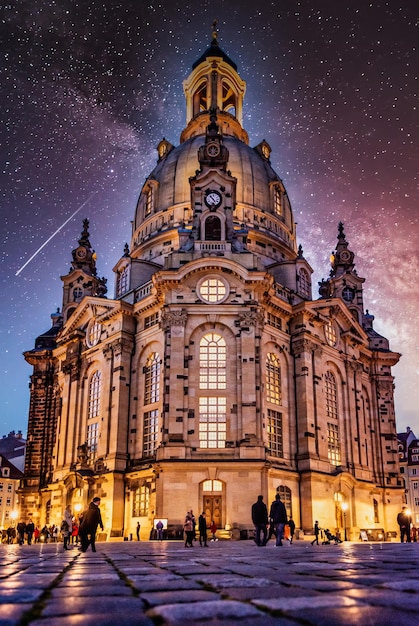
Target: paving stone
199, 611
187, 595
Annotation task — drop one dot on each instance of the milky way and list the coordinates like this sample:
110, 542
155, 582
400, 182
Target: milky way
89, 89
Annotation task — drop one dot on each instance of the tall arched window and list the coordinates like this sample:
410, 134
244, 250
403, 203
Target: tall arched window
212, 228
212, 362
285, 493
152, 379
212, 376
333, 436
304, 283
94, 394
273, 379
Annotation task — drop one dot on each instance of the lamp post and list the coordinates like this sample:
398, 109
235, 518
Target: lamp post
344, 509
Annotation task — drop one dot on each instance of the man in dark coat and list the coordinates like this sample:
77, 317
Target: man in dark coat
404, 520
202, 525
260, 520
91, 520
278, 516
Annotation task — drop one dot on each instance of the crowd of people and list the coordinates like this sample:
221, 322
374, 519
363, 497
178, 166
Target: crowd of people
82, 530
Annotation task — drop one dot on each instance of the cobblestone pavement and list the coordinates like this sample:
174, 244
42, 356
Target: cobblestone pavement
163, 583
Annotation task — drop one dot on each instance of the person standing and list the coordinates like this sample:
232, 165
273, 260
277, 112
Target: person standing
91, 520
404, 520
316, 533
138, 531
291, 524
260, 520
159, 528
278, 515
202, 526
213, 529
188, 527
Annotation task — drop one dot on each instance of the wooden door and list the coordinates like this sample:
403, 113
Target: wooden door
213, 509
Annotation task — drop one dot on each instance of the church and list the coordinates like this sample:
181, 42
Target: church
214, 372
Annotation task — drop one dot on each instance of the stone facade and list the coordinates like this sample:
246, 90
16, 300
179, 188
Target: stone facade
213, 375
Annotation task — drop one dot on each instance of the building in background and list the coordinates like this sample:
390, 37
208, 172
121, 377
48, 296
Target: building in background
13, 446
409, 468
10, 477
213, 374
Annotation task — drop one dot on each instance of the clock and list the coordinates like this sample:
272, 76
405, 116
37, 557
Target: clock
345, 255
81, 253
213, 199
213, 149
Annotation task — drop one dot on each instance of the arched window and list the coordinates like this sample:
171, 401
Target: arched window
285, 493
94, 395
333, 436
149, 201
77, 294
304, 283
277, 201
152, 379
122, 281
212, 228
228, 98
212, 376
200, 99
212, 362
273, 379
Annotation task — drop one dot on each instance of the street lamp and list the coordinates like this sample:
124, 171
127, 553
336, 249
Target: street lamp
344, 509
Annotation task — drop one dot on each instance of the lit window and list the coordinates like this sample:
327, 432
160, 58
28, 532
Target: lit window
277, 201
212, 485
285, 493
94, 395
152, 379
212, 362
212, 422
150, 432
331, 396
140, 501
212, 290
273, 379
94, 332
149, 201
274, 431
330, 334
92, 440
333, 444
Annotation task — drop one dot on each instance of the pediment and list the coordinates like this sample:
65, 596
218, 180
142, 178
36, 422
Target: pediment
90, 308
336, 309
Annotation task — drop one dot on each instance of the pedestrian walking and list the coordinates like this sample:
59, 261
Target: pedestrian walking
30, 529
213, 529
202, 526
316, 533
92, 518
291, 525
260, 521
278, 516
21, 528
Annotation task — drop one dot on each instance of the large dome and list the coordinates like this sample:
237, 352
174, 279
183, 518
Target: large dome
254, 212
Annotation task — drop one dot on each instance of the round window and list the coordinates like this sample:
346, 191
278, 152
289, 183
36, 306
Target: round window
213, 290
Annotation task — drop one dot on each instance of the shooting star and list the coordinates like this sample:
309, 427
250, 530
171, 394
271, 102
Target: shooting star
53, 234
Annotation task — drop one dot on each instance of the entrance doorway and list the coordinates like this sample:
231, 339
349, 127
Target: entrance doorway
213, 510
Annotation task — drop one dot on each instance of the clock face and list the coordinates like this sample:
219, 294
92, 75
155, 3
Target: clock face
345, 256
213, 149
81, 253
213, 199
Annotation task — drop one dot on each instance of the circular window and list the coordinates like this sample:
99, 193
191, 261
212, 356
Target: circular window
213, 290
330, 334
94, 331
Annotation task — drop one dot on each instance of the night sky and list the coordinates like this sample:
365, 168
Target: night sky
89, 88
